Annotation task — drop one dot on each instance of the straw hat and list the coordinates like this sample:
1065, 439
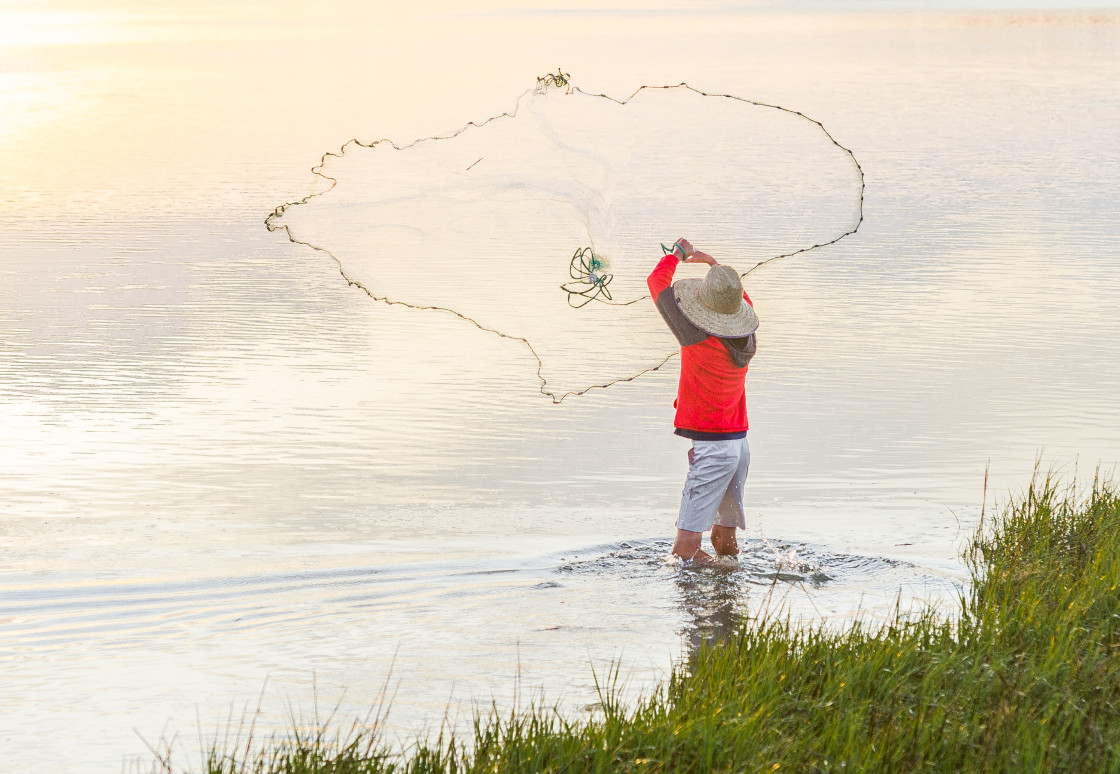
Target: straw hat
715, 304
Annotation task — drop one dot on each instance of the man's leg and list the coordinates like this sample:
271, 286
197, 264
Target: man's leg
712, 466
723, 540
731, 513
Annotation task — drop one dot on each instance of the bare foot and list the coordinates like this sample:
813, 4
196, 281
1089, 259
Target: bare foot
687, 549
701, 559
723, 540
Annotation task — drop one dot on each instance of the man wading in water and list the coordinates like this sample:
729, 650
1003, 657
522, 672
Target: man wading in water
714, 322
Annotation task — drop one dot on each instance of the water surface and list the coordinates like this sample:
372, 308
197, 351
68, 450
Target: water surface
221, 464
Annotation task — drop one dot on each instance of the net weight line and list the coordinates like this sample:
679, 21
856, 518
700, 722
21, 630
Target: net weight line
583, 262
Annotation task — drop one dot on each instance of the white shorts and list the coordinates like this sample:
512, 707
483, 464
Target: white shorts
713, 491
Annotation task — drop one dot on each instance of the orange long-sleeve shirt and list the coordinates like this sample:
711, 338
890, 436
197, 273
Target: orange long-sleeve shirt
711, 394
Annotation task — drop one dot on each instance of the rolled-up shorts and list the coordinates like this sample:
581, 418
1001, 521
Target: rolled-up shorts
713, 491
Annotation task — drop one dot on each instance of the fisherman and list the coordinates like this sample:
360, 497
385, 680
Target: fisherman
714, 322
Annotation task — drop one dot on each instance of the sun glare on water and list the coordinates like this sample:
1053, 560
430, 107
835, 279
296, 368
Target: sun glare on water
38, 28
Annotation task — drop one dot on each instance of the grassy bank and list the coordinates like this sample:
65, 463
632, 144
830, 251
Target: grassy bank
1026, 677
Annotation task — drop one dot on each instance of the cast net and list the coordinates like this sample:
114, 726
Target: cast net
542, 224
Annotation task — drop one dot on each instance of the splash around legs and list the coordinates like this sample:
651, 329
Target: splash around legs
687, 548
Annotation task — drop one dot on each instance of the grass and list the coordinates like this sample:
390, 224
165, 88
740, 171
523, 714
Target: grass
1025, 677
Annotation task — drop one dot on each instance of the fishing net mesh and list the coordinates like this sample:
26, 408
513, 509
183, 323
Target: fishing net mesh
542, 224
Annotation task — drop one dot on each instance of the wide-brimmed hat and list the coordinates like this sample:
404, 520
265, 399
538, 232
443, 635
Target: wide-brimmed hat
715, 304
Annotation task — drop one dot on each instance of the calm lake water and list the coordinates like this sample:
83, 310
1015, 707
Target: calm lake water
222, 468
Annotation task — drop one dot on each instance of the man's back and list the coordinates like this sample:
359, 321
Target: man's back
711, 393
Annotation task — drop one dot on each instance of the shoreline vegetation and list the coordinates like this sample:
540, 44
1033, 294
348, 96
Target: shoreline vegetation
1024, 676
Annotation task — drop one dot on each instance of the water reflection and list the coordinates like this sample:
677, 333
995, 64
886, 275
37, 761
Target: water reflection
807, 584
714, 602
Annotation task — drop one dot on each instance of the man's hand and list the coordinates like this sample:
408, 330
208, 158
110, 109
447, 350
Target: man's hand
695, 256
686, 246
